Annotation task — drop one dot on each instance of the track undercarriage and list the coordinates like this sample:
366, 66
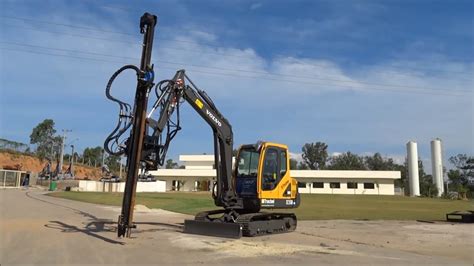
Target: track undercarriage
222, 223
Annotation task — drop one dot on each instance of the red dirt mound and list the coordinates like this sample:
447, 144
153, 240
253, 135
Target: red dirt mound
22, 162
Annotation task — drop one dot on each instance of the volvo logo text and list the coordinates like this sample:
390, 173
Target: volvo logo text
213, 118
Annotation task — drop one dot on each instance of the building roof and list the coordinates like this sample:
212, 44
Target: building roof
184, 172
197, 158
345, 174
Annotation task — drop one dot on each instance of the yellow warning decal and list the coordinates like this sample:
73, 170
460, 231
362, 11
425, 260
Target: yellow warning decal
199, 103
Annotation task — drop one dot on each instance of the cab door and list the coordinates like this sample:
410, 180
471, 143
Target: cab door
274, 182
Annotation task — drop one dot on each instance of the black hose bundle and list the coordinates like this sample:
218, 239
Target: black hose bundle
168, 101
114, 144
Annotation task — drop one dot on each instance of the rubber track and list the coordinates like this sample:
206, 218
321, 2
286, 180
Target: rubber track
246, 220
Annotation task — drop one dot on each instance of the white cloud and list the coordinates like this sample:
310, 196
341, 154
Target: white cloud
296, 156
255, 6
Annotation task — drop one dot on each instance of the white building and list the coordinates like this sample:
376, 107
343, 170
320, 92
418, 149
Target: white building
199, 172
98, 186
346, 182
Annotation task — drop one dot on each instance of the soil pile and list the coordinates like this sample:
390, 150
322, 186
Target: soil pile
23, 162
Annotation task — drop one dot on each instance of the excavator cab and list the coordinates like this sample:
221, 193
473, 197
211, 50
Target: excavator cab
261, 180
262, 177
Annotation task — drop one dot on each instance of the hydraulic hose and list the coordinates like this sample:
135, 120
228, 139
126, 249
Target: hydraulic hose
112, 144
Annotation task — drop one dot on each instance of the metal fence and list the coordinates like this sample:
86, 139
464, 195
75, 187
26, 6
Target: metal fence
11, 178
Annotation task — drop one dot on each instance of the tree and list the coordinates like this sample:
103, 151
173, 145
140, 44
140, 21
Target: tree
13, 145
302, 166
456, 178
170, 164
93, 155
315, 155
44, 138
67, 157
377, 162
113, 162
427, 187
347, 161
403, 181
462, 178
293, 163
458, 183
465, 164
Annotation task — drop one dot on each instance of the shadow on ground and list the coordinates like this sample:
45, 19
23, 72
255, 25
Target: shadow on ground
93, 232
94, 226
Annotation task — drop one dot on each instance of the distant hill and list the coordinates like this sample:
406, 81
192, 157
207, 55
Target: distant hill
14, 160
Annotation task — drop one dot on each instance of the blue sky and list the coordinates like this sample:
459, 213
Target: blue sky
362, 76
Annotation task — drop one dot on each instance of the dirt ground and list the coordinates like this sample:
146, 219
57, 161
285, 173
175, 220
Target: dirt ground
33, 164
35, 228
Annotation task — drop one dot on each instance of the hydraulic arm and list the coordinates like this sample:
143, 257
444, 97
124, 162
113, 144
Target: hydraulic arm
169, 98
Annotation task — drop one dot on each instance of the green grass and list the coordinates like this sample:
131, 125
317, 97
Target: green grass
189, 203
313, 207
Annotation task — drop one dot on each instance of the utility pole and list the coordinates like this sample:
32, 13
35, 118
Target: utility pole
120, 168
72, 160
103, 157
63, 140
52, 149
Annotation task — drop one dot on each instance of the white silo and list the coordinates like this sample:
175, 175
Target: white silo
437, 165
413, 178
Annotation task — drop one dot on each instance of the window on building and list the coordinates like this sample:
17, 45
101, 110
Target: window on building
318, 184
369, 185
302, 184
335, 185
352, 185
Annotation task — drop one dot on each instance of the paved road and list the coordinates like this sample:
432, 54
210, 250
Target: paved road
35, 228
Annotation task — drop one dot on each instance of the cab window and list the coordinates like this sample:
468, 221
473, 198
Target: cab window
247, 163
282, 163
270, 169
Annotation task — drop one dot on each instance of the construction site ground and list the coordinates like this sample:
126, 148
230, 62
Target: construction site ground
39, 229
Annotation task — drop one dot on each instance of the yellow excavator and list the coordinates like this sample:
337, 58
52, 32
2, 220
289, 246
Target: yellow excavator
260, 179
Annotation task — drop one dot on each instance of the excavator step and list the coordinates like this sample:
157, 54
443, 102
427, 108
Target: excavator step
209, 228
